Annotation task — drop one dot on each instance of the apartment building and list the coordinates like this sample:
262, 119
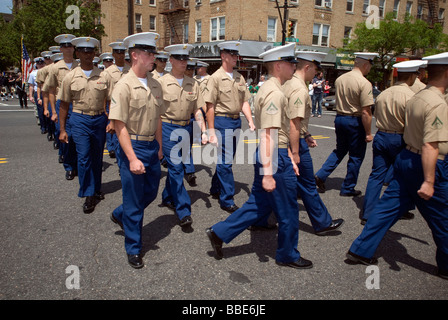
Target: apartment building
316, 24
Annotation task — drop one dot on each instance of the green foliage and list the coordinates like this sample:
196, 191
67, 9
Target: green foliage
41, 21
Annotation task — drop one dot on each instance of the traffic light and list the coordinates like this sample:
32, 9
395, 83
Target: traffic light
289, 27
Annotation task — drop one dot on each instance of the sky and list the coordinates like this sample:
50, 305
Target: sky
4, 4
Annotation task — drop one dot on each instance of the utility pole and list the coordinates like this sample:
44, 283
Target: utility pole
285, 17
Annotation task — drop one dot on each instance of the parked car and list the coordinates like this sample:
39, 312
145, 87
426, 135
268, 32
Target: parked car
329, 102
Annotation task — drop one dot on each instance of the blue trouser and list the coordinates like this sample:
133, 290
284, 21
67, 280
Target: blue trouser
189, 167
176, 150
317, 103
89, 134
111, 139
350, 138
43, 121
138, 191
67, 150
401, 193
385, 147
51, 124
282, 201
222, 181
317, 211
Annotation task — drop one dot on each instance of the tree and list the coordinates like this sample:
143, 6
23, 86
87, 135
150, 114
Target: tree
40, 21
393, 39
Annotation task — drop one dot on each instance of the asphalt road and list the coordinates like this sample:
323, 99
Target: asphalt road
47, 241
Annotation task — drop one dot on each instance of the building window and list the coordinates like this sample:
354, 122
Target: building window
294, 1
138, 21
198, 33
186, 4
365, 5
441, 14
396, 7
272, 29
347, 34
323, 3
152, 23
381, 7
152, 3
350, 5
218, 29
185, 33
138, 2
409, 7
321, 33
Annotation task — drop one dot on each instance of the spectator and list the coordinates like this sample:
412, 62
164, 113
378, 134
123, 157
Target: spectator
318, 85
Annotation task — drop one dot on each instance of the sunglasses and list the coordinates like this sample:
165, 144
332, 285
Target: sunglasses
86, 50
119, 51
162, 60
66, 45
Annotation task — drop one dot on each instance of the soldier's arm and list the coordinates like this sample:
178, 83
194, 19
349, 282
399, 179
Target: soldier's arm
367, 122
430, 151
135, 165
248, 114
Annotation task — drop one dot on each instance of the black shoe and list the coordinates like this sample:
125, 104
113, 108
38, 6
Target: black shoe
164, 163
112, 154
191, 179
186, 221
89, 204
363, 221
320, 184
115, 220
216, 243
70, 175
358, 259
299, 264
407, 216
61, 159
169, 205
443, 274
55, 145
135, 261
99, 195
50, 138
335, 224
353, 193
230, 209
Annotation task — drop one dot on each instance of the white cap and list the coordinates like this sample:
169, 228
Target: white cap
408, 66
232, 46
57, 56
96, 60
369, 56
191, 63
85, 42
39, 59
119, 45
202, 64
179, 51
285, 53
106, 56
441, 58
46, 54
162, 55
64, 38
312, 56
143, 40
54, 49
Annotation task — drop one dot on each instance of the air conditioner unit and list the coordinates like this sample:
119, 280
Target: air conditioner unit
328, 4
138, 26
198, 2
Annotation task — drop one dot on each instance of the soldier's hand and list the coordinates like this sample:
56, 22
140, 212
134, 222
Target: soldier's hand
110, 128
426, 190
311, 142
63, 137
252, 126
54, 118
213, 140
137, 167
268, 183
204, 138
296, 169
47, 113
369, 138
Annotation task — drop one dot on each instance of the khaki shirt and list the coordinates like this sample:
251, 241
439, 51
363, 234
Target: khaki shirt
112, 75
85, 93
202, 81
270, 110
156, 75
139, 108
418, 85
353, 92
226, 94
427, 120
180, 102
56, 74
390, 107
42, 74
299, 102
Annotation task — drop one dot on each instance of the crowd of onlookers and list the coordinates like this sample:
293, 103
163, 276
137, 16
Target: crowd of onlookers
12, 87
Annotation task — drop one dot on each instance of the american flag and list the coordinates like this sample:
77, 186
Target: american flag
27, 64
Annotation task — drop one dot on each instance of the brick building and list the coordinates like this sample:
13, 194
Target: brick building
317, 24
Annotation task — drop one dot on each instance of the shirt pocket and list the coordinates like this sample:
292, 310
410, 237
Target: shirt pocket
76, 90
136, 110
225, 95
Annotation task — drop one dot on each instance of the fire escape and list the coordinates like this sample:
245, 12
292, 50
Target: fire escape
176, 17
433, 12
